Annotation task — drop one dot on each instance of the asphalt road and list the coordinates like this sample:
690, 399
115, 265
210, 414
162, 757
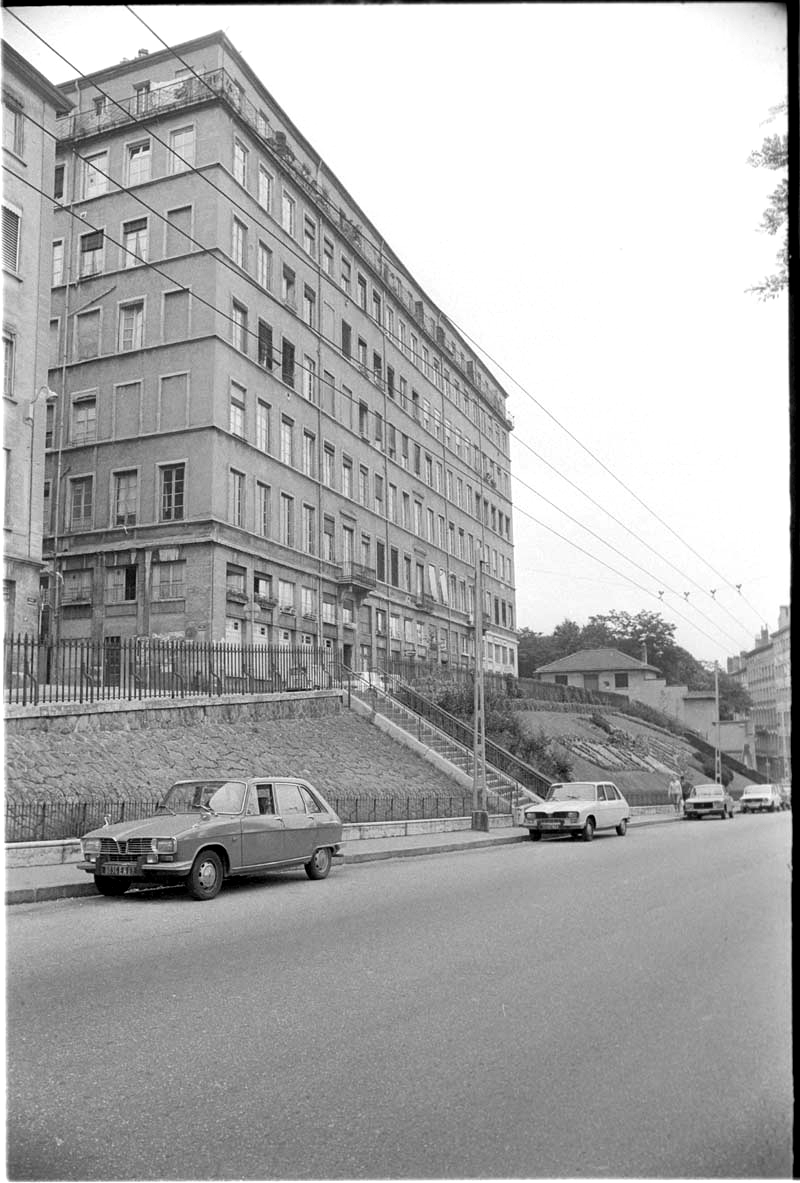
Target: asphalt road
613, 1009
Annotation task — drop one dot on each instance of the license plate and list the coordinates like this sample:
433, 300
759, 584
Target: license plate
119, 869
550, 825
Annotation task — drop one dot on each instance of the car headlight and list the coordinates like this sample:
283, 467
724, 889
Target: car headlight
91, 845
164, 845
573, 815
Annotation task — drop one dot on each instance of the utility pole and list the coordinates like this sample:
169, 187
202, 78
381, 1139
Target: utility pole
480, 815
717, 752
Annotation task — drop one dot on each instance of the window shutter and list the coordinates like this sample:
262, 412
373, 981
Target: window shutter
10, 239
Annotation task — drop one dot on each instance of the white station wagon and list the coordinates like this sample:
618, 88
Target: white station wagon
578, 808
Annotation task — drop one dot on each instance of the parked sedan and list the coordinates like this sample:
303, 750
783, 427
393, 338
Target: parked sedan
578, 808
758, 798
708, 801
207, 830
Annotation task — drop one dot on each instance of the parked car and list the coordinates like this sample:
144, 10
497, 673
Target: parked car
708, 801
207, 830
758, 798
578, 808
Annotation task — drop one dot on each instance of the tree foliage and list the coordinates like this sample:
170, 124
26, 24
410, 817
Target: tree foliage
631, 634
774, 155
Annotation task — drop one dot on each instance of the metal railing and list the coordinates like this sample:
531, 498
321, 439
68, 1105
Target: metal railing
130, 669
50, 820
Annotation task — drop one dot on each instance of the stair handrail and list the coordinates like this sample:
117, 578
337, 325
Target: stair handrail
515, 784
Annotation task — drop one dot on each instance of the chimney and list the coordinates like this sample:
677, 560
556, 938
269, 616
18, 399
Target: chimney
143, 53
644, 652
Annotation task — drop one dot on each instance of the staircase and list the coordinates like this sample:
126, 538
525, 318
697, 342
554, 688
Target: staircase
505, 792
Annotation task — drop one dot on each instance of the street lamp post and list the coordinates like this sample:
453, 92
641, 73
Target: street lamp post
717, 751
480, 815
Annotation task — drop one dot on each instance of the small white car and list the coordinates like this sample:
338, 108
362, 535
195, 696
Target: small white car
708, 801
758, 798
578, 808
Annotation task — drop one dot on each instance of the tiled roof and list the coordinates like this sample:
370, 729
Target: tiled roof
595, 661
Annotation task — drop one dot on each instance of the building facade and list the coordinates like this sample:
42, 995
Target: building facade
30, 104
765, 671
265, 431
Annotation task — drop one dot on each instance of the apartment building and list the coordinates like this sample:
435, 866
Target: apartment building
765, 671
265, 430
30, 103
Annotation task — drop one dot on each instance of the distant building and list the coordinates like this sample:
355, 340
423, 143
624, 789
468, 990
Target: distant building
766, 673
266, 431
30, 104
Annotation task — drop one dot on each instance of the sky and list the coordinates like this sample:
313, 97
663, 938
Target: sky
569, 184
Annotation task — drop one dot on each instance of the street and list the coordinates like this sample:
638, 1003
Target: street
613, 1009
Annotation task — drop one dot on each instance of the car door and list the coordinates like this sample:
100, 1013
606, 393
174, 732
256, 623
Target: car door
262, 829
601, 809
299, 828
617, 808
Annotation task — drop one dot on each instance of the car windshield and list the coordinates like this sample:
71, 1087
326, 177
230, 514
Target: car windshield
577, 791
707, 791
221, 796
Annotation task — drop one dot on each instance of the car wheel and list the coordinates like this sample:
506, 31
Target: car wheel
111, 884
622, 828
587, 833
319, 864
206, 875
535, 835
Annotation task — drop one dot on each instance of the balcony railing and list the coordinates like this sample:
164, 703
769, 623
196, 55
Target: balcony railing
357, 576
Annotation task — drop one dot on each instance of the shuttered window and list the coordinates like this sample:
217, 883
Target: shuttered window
11, 225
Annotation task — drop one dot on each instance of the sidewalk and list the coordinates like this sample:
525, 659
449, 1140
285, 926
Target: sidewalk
35, 884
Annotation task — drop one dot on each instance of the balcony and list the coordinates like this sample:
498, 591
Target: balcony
424, 602
234, 596
357, 578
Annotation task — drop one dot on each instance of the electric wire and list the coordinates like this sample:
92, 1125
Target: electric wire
294, 251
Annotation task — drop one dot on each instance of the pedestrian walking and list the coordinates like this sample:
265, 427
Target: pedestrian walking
676, 794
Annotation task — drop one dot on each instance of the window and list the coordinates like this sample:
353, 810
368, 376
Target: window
264, 266
58, 182
265, 188
376, 307
309, 454
87, 334
327, 256
285, 593
394, 568
287, 440
77, 587
309, 530
135, 241
309, 307
236, 507
13, 128
309, 236
363, 485
142, 92
121, 584
328, 464
288, 287
169, 580
287, 363
262, 426
95, 178
131, 324
83, 420
236, 415
346, 275
263, 510
240, 155
328, 539
309, 379
287, 525
9, 354
347, 337
57, 269
181, 142
379, 494
91, 254
126, 490
347, 476
621, 681
139, 163
362, 292
172, 492
288, 212
239, 246
80, 503
11, 236
264, 344
239, 318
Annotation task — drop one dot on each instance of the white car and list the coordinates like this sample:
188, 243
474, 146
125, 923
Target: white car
578, 808
761, 797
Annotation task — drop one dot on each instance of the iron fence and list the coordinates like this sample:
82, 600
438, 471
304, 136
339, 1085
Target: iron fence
50, 820
146, 667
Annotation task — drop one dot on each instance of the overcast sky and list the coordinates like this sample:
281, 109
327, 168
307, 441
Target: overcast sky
569, 183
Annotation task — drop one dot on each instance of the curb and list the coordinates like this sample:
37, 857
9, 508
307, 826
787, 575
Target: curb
60, 891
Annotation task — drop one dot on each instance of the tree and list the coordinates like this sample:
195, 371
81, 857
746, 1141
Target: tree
774, 155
